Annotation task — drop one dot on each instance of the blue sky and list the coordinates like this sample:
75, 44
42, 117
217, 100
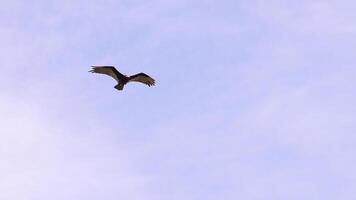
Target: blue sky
254, 100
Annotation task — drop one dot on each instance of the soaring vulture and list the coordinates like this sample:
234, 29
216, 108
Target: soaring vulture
122, 79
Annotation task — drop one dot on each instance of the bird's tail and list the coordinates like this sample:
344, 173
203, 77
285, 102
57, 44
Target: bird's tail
119, 86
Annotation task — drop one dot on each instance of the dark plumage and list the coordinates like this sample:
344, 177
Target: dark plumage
122, 79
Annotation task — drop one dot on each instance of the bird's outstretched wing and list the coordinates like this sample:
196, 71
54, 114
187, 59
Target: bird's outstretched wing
143, 78
108, 70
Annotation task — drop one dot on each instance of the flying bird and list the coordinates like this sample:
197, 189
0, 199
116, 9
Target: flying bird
123, 79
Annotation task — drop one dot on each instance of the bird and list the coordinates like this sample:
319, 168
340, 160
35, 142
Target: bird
122, 79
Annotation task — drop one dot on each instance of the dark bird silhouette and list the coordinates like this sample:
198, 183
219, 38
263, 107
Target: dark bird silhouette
123, 79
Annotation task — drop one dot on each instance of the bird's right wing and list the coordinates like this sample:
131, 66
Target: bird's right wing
143, 78
108, 70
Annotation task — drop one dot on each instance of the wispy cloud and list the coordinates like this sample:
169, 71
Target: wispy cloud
254, 100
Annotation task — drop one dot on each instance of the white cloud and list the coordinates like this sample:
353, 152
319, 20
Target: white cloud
255, 104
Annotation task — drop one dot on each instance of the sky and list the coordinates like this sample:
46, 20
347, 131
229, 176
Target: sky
253, 100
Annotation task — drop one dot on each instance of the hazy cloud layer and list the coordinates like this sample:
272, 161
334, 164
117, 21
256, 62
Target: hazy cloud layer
254, 100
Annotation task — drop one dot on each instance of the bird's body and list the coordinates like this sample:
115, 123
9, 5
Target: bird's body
123, 79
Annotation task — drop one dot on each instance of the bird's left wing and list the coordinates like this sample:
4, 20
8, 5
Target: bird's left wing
143, 78
108, 70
